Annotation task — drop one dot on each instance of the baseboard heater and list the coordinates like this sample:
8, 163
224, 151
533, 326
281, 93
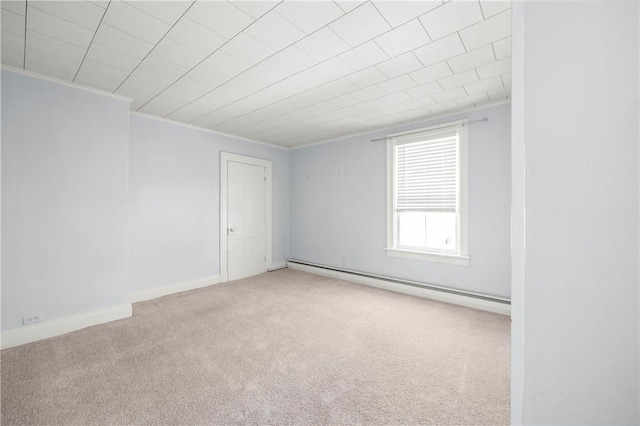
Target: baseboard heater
492, 299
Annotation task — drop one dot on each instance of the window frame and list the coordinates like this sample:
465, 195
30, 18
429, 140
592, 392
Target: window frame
461, 256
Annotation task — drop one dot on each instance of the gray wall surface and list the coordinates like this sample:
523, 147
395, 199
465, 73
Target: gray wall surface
338, 207
174, 204
64, 200
580, 307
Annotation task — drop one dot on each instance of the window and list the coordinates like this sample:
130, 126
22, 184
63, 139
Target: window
427, 214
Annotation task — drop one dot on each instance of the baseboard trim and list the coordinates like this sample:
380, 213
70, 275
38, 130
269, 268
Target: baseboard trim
476, 301
45, 330
277, 265
154, 293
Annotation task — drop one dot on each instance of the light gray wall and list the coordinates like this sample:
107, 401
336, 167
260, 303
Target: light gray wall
64, 200
174, 205
338, 207
580, 318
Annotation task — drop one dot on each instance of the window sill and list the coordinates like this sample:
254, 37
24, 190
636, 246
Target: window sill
453, 259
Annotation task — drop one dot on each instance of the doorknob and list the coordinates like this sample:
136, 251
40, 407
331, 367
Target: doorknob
230, 231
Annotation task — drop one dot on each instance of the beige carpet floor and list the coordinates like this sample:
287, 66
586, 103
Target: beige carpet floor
281, 348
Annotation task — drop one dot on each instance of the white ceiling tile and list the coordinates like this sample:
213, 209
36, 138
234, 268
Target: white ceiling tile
121, 41
364, 56
290, 61
403, 39
12, 41
83, 13
367, 93
502, 66
399, 12
176, 53
400, 65
11, 57
41, 69
105, 55
506, 79
420, 102
160, 108
394, 109
472, 59
220, 16
396, 84
63, 49
12, 23
451, 17
469, 100
192, 35
492, 29
499, 93
166, 11
323, 44
143, 76
217, 69
431, 73
440, 50
458, 92
104, 71
367, 77
247, 49
484, 85
136, 90
457, 80
360, 25
162, 67
502, 48
179, 94
311, 15
417, 113
275, 31
17, 7
425, 90
328, 70
96, 81
370, 105
52, 61
100, 3
255, 9
132, 21
348, 5
441, 107
491, 7
395, 98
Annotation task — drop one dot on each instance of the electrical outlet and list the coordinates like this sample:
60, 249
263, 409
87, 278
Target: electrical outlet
31, 319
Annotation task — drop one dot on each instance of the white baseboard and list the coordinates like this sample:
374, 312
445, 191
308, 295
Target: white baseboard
277, 265
455, 299
153, 293
44, 330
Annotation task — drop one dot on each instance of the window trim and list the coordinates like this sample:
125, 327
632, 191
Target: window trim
462, 256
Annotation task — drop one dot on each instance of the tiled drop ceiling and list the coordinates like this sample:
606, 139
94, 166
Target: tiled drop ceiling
288, 73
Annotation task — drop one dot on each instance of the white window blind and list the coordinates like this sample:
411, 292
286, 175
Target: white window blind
427, 174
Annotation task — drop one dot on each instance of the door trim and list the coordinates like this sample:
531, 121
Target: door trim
225, 157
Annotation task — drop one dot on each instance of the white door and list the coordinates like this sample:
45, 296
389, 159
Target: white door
246, 220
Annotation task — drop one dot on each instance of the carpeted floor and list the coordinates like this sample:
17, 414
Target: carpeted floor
284, 347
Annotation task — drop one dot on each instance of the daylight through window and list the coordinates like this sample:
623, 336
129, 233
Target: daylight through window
428, 194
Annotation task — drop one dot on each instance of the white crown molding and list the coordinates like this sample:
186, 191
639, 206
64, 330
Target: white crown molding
66, 83
422, 120
204, 129
154, 293
57, 327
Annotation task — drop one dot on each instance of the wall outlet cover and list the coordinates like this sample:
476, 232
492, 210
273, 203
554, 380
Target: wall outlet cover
32, 319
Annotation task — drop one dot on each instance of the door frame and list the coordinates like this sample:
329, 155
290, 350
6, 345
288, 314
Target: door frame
225, 158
